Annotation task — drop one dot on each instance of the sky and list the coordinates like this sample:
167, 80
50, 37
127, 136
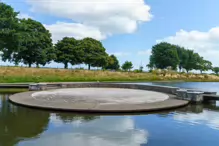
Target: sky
129, 28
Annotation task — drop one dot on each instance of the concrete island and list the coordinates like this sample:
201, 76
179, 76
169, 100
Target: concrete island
108, 97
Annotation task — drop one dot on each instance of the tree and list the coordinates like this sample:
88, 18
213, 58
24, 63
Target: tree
127, 66
8, 26
204, 65
164, 55
191, 60
100, 61
112, 63
216, 70
68, 51
94, 53
35, 44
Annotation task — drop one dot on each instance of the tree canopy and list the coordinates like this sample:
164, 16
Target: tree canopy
34, 44
112, 63
8, 26
216, 70
166, 55
204, 65
127, 66
94, 53
163, 56
68, 51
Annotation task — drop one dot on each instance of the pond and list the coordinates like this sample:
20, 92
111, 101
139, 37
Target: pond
189, 126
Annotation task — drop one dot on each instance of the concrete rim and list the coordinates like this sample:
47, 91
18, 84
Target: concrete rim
25, 99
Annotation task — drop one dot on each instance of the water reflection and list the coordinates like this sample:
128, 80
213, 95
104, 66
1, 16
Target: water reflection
192, 125
199, 114
107, 131
69, 117
17, 124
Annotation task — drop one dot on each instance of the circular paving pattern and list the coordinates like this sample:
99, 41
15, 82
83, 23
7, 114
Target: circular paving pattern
100, 96
97, 100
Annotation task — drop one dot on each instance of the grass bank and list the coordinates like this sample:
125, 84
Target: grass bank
15, 90
21, 75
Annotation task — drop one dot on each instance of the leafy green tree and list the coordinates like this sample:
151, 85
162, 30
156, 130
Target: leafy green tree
35, 44
127, 66
68, 51
112, 63
204, 65
164, 55
101, 60
94, 53
191, 60
8, 26
216, 70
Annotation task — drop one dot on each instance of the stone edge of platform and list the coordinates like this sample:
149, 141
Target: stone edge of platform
171, 91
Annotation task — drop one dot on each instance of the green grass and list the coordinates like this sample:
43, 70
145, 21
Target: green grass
15, 90
25, 75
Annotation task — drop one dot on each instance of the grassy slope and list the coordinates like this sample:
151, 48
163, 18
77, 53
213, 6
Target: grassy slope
19, 75
11, 91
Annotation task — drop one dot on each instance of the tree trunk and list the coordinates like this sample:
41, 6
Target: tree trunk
29, 64
37, 65
201, 71
66, 65
187, 71
88, 66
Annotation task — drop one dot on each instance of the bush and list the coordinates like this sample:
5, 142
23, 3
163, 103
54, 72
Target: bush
137, 71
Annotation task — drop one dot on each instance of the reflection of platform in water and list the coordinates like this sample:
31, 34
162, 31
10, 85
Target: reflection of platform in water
208, 97
198, 108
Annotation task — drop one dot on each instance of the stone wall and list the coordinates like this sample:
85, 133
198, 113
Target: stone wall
164, 89
191, 95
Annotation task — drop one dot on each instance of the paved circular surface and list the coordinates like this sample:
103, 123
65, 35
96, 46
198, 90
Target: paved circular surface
100, 96
97, 100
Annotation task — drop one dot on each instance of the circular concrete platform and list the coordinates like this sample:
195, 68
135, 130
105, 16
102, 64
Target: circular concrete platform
97, 100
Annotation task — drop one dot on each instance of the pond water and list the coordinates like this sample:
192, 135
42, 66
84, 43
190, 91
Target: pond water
189, 126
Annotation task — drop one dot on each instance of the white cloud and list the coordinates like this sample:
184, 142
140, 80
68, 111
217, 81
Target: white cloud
145, 52
119, 131
24, 16
104, 18
209, 118
79, 31
205, 43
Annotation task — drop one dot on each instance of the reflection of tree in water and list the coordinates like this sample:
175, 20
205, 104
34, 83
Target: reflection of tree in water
69, 117
18, 123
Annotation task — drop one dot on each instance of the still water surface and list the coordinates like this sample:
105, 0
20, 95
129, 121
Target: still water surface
190, 126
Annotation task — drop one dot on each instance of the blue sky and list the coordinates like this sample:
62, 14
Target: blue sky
193, 24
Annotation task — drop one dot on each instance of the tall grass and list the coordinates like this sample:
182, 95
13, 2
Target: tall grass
21, 74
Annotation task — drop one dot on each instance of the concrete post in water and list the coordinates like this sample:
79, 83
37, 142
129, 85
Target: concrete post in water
42, 86
34, 87
195, 97
181, 93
